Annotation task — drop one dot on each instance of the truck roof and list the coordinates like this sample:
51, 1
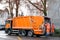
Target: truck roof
47, 17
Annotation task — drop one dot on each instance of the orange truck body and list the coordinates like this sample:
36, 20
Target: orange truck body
28, 23
34, 23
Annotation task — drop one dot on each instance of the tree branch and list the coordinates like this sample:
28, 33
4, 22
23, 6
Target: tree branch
35, 5
42, 2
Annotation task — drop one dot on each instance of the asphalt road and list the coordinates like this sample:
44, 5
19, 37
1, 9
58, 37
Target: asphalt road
4, 36
40, 38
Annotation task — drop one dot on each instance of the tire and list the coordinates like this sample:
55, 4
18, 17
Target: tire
30, 33
22, 33
6, 31
19, 33
9, 32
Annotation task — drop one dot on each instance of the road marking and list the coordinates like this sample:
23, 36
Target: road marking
19, 38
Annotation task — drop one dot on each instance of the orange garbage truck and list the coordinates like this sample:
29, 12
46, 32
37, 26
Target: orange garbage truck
27, 25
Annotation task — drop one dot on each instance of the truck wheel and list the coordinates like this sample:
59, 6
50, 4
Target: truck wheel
23, 33
6, 31
19, 33
9, 32
30, 33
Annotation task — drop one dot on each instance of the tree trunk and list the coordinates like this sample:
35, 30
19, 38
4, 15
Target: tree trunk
45, 13
17, 6
11, 9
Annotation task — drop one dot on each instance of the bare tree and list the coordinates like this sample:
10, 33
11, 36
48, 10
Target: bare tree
43, 4
17, 2
11, 5
17, 6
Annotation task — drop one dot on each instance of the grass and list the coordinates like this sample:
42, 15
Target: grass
57, 33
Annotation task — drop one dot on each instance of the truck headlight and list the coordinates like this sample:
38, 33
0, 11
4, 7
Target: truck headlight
42, 27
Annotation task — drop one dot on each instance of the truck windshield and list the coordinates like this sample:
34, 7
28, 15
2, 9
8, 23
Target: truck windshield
7, 21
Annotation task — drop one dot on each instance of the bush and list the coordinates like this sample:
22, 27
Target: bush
57, 31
